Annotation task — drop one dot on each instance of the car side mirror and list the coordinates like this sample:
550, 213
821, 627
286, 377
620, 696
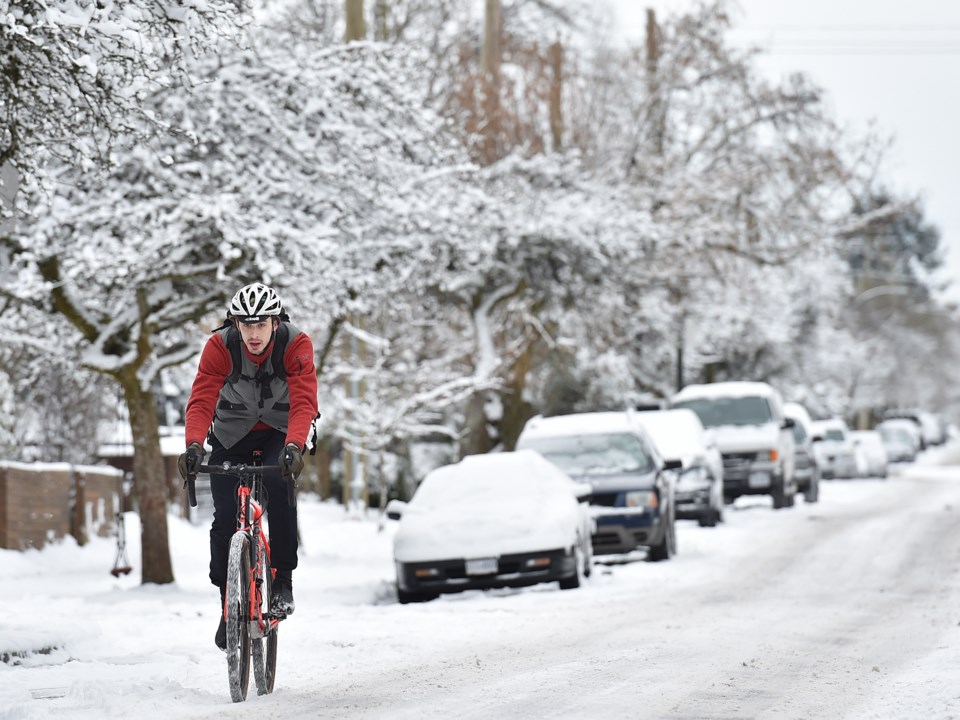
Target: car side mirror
673, 465
789, 424
395, 509
583, 491
818, 438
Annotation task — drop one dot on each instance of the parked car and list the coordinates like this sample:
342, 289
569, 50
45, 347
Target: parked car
901, 439
632, 497
806, 458
747, 422
839, 453
872, 452
496, 520
930, 428
679, 436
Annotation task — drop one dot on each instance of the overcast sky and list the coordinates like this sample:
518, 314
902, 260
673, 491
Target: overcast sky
891, 62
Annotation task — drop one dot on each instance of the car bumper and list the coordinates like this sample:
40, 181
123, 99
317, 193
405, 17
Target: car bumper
692, 504
622, 531
840, 466
804, 476
757, 478
453, 575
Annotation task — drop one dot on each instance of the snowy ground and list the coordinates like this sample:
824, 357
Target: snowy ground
844, 609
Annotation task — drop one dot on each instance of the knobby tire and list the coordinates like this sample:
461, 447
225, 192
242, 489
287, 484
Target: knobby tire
238, 613
265, 649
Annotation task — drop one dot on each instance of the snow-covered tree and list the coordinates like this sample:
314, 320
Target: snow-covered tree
75, 74
295, 166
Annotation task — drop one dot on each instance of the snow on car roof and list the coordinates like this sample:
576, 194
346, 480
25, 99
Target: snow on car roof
674, 432
490, 476
579, 424
738, 388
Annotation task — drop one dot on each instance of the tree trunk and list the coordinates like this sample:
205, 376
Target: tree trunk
476, 438
381, 11
355, 26
490, 57
149, 481
555, 56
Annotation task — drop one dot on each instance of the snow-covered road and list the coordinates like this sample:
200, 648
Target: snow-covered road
844, 609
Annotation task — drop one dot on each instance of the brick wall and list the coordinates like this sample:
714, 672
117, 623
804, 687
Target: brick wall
47, 501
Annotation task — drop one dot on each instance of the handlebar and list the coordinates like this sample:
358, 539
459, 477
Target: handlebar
240, 470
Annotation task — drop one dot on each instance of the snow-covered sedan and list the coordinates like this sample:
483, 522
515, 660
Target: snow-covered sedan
680, 437
496, 520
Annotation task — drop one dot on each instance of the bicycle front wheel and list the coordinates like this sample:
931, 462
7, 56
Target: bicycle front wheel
238, 615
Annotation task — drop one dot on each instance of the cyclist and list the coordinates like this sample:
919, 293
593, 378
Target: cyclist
255, 390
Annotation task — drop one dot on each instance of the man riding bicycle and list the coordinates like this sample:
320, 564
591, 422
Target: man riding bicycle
255, 394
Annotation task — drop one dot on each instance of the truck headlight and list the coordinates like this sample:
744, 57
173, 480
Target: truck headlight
768, 455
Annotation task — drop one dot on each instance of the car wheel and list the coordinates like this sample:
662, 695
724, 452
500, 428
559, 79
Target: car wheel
406, 597
708, 518
784, 495
779, 495
579, 563
667, 545
812, 493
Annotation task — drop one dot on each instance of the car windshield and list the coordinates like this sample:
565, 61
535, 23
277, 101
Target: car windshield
836, 435
891, 434
714, 412
799, 434
594, 454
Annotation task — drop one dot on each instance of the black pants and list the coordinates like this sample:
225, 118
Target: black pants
281, 518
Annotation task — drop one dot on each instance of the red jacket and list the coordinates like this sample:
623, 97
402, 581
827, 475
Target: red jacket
215, 366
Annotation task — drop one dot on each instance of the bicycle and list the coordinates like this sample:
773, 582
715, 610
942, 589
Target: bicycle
246, 611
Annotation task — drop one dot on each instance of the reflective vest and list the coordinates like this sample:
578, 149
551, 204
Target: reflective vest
253, 393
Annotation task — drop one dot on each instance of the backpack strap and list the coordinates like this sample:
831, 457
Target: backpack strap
233, 345
282, 337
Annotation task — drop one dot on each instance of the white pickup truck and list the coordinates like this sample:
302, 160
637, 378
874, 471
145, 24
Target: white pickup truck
748, 424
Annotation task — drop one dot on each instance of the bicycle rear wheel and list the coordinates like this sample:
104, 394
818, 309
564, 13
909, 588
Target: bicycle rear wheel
238, 615
265, 662
265, 649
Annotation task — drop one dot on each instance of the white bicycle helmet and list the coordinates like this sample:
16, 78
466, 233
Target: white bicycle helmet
255, 303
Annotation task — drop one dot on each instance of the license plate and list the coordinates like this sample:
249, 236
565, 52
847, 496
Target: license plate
759, 480
482, 566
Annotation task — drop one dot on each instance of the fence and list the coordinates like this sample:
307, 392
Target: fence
43, 502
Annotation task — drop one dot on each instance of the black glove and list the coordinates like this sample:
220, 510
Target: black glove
291, 460
190, 460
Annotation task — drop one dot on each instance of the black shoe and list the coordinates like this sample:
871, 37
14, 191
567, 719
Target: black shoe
221, 637
281, 598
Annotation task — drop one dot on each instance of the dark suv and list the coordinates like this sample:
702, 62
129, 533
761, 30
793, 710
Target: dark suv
632, 499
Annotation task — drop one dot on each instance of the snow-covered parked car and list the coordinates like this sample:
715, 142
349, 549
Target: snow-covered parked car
872, 453
806, 451
680, 437
497, 520
901, 439
839, 454
633, 492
